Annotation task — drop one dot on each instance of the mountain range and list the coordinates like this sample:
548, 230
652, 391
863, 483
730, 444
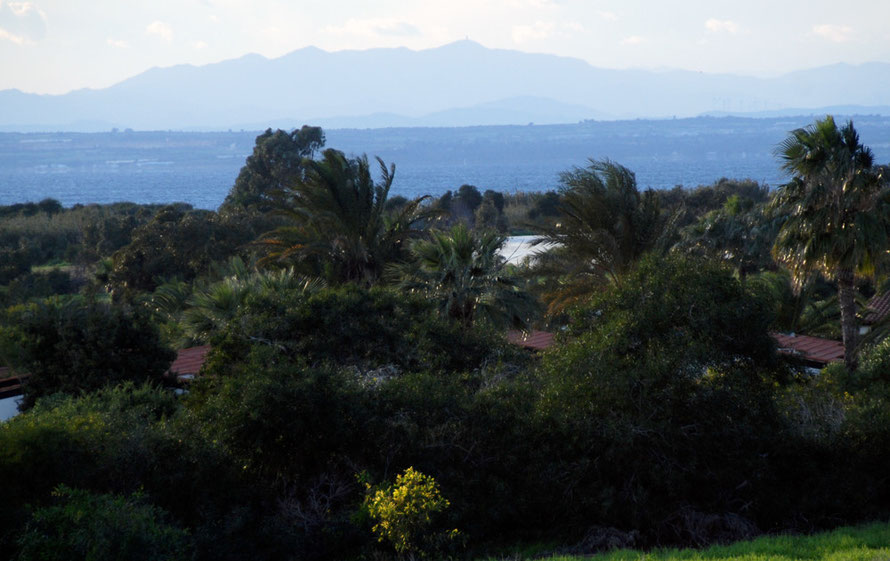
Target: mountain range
459, 84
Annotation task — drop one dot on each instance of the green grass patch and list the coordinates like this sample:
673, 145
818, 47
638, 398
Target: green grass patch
51, 266
869, 542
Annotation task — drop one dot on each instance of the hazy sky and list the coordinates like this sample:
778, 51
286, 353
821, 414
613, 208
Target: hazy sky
53, 46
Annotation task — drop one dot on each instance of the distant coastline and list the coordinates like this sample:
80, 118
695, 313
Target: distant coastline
199, 168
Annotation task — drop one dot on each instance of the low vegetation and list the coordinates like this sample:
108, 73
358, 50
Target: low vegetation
860, 543
361, 399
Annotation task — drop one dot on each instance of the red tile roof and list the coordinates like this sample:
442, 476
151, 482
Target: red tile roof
811, 349
189, 361
877, 308
10, 384
534, 340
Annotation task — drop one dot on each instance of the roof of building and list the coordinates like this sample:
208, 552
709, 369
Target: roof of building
189, 361
187, 364
10, 384
877, 308
534, 340
812, 349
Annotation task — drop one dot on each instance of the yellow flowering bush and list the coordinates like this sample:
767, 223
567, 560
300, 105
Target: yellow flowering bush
402, 511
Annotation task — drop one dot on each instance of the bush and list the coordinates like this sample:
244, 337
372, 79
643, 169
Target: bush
349, 325
178, 242
403, 512
663, 394
31, 285
97, 527
124, 440
75, 346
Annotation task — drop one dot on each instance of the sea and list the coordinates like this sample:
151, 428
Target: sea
200, 168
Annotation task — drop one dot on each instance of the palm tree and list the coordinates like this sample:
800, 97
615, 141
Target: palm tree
605, 226
738, 234
835, 212
339, 226
466, 274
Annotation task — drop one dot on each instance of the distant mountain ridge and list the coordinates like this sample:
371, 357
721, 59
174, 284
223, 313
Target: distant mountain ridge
458, 84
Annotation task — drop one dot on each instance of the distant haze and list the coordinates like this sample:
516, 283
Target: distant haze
56, 46
459, 84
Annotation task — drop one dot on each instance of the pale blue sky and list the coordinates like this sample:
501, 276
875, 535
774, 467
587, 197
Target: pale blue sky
54, 46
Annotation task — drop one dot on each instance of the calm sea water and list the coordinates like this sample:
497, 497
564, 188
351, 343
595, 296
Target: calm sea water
200, 168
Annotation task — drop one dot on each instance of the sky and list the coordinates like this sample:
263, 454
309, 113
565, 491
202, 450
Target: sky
55, 46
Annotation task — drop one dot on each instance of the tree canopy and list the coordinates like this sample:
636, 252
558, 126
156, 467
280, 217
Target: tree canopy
835, 212
276, 163
605, 225
338, 226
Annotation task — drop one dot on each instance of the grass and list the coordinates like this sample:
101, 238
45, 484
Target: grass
869, 542
56, 265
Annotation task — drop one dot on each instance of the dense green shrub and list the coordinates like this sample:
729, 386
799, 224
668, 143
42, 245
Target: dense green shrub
662, 393
77, 345
93, 527
177, 242
308, 432
37, 285
350, 325
128, 439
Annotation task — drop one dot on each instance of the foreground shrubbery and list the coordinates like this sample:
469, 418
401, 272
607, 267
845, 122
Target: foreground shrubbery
118, 528
662, 416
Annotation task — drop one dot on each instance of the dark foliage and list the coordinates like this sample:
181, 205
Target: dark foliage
92, 527
178, 242
350, 325
277, 162
75, 346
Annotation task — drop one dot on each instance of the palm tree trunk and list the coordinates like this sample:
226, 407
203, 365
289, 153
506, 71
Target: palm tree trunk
845, 290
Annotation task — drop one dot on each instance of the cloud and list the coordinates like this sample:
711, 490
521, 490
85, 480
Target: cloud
834, 33
608, 16
375, 27
22, 23
161, 30
722, 26
534, 4
573, 26
544, 30
198, 45
537, 31
117, 43
12, 38
633, 40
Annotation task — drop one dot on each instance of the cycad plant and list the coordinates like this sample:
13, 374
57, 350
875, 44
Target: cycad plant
212, 309
834, 212
467, 276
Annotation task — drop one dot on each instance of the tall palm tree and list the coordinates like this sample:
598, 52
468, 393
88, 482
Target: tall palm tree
339, 226
835, 211
605, 225
466, 274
